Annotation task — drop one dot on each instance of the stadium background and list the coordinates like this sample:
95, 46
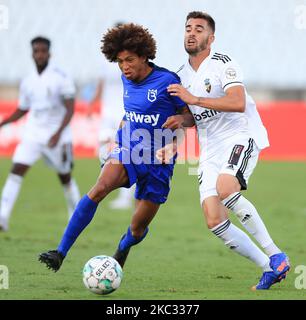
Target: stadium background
266, 37
268, 40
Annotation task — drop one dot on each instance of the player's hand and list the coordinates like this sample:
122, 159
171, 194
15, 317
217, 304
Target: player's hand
178, 90
54, 140
174, 122
166, 154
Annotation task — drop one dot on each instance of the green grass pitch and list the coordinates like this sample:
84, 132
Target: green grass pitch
179, 259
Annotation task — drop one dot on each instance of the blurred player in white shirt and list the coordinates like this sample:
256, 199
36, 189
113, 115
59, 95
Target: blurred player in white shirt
109, 94
231, 136
47, 94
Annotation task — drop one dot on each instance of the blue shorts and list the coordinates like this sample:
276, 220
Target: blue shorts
152, 180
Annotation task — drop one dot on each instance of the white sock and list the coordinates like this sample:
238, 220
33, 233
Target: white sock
8, 198
237, 240
72, 195
251, 221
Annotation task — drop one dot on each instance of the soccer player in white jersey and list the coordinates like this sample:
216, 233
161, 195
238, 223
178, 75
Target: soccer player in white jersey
47, 94
231, 136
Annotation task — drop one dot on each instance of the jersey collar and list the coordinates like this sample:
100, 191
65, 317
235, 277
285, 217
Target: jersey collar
203, 63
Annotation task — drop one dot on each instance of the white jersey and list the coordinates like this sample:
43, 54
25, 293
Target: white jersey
112, 92
43, 94
216, 74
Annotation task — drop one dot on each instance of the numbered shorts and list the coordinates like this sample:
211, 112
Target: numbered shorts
237, 157
59, 158
152, 180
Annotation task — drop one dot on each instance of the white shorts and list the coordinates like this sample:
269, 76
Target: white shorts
59, 158
237, 157
109, 128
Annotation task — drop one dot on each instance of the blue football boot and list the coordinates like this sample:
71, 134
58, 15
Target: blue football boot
266, 281
279, 263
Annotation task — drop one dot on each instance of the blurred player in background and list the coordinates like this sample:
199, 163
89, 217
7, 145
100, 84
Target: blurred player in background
147, 105
48, 95
109, 96
231, 136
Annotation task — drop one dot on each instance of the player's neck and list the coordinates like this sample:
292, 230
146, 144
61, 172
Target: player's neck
196, 60
40, 69
144, 73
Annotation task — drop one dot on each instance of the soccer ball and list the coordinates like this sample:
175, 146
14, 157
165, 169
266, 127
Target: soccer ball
102, 274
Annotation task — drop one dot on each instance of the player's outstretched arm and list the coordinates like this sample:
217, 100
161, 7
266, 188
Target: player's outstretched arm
16, 115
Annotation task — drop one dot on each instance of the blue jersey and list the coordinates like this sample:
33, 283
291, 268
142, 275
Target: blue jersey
147, 105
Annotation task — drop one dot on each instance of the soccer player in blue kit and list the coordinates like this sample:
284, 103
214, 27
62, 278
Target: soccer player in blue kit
147, 106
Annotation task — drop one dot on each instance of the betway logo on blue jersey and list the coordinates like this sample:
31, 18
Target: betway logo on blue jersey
142, 118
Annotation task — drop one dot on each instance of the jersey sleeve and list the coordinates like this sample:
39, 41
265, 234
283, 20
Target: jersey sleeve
67, 88
24, 100
231, 75
176, 100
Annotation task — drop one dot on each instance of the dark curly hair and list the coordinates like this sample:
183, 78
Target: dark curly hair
130, 37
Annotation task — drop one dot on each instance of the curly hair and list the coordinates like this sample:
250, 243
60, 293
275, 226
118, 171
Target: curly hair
130, 37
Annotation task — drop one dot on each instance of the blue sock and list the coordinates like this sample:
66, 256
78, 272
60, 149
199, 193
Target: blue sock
128, 240
81, 217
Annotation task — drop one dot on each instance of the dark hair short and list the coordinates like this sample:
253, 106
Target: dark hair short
41, 40
204, 16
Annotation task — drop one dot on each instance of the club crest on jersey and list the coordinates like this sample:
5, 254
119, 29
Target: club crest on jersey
207, 85
126, 94
152, 95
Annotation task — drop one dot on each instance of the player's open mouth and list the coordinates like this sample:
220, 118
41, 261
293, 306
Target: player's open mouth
191, 41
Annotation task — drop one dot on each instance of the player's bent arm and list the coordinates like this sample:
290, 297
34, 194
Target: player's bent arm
69, 105
233, 101
188, 117
97, 97
178, 123
184, 119
16, 115
122, 123
116, 144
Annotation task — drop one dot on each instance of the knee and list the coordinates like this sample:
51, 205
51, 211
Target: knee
212, 219
100, 191
226, 187
19, 169
225, 193
65, 178
213, 222
137, 230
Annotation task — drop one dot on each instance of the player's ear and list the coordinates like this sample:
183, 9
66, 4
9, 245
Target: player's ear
211, 38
